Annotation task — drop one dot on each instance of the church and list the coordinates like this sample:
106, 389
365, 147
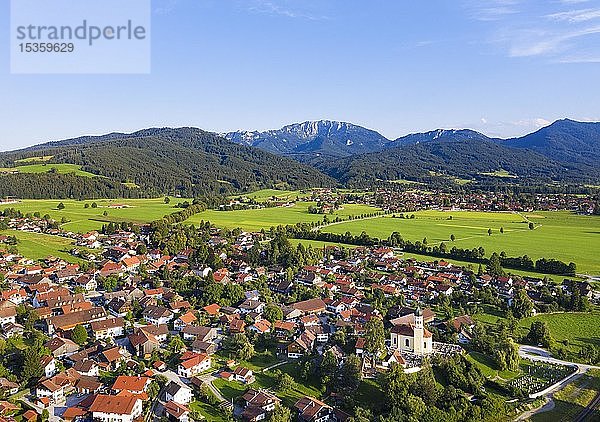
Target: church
412, 338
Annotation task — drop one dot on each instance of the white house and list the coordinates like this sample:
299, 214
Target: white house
193, 363
8, 315
116, 408
178, 393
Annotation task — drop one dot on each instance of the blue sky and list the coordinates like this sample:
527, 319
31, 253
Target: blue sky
503, 67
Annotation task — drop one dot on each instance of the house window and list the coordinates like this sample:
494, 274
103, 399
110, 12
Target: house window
424, 345
395, 340
407, 343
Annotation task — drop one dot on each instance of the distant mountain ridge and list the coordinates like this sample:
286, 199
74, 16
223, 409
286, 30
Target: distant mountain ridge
189, 161
307, 140
564, 140
565, 150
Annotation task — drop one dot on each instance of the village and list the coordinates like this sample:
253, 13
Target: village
127, 336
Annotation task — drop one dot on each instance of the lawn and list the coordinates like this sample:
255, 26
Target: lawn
579, 329
209, 412
39, 246
557, 235
257, 219
83, 219
489, 368
45, 168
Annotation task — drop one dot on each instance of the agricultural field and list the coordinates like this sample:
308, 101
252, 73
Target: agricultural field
559, 235
571, 330
83, 219
265, 218
45, 168
267, 194
38, 245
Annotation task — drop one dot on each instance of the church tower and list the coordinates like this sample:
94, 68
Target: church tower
418, 332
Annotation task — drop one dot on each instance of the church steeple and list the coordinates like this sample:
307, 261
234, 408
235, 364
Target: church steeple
419, 318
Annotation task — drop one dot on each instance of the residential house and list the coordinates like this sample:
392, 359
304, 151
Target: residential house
178, 393
106, 408
193, 364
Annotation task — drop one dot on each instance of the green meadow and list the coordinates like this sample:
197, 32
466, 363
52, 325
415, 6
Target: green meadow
45, 168
83, 219
257, 219
561, 235
39, 246
267, 194
571, 330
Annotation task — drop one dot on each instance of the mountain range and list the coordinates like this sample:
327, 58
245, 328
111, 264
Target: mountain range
306, 141
566, 150
190, 161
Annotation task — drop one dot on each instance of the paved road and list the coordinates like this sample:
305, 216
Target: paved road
268, 368
208, 380
546, 407
542, 355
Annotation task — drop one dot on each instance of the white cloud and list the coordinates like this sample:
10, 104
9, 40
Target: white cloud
506, 128
286, 8
559, 32
574, 16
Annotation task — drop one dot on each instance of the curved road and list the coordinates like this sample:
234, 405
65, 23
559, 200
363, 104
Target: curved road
542, 355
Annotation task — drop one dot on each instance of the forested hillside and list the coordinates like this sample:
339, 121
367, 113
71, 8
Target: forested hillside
185, 161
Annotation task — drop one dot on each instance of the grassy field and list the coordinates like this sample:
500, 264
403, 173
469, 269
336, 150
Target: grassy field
500, 173
84, 219
489, 368
557, 235
579, 329
41, 159
571, 400
268, 217
267, 194
45, 168
38, 246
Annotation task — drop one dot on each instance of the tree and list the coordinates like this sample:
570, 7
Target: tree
167, 200
452, 237
79, 335
493, 266
396, 385
328, 368
374, 336
281, 414
531, 226
176, 344
284, 381
350, 376
539, 333
522, 306
60, 206
153, 389
239, 346
501, 229
489, 232
273, 313
32, 368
